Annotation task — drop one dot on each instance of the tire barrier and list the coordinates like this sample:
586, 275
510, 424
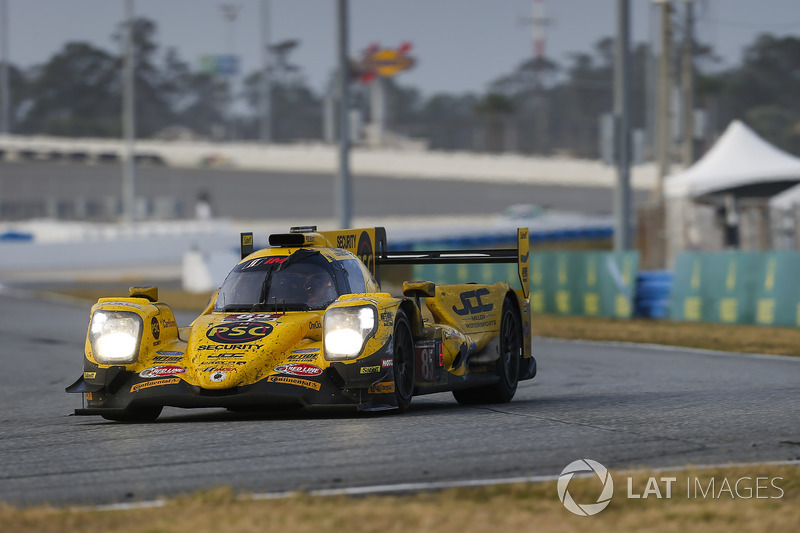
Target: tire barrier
653, 289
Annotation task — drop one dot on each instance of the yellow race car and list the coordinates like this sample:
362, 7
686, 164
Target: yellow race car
304, 323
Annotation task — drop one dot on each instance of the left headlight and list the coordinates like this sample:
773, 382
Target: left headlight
347, 330
115, 336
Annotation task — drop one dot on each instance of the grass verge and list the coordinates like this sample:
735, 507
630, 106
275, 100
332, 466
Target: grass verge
732, 338
519, 507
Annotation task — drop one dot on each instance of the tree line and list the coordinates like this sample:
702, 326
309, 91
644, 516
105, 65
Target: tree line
541, 107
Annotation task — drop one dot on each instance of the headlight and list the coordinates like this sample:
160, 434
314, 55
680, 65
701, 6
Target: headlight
347, 330
115, 336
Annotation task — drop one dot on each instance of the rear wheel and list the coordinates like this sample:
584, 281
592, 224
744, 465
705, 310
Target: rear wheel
403, 361
136, 414
507, 363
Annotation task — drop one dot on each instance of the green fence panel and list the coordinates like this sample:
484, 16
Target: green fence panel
689, 293
736, 288
777, 294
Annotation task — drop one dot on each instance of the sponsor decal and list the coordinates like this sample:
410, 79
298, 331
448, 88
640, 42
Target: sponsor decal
428, 361
299, 369
264, 261
346, 241
226, 355
169, 324
472, 308
365, 251
155, 328
307, 350
239, 332
161, 359
315, 325
218, 376
89, 375
168, 352
155, 383
161, 371
387, 318
217, 363
370, 369
229, 347
384, 387
251, 317
387, 363
482, 324
302, 357
307, 383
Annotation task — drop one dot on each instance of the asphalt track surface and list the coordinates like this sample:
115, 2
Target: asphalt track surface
623, 406
270, 195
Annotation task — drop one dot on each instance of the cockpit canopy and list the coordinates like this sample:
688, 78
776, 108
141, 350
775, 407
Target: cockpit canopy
302, 281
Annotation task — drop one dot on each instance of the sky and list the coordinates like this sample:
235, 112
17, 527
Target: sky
459, 45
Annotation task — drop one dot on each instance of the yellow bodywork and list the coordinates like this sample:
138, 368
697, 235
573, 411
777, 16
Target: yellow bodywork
225, 350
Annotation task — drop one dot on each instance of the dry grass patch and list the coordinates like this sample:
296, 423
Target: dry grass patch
734, 338
520, 507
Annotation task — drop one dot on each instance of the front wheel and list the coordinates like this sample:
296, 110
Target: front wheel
403, 361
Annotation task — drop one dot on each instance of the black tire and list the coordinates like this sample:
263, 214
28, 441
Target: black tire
136, 414
403, 361
508, 363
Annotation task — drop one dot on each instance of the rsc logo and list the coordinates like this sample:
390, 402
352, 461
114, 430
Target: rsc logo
239, 332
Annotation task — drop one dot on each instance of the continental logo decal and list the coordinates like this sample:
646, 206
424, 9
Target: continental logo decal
239, 332
307, 383
385, 387
89, 375
154, 383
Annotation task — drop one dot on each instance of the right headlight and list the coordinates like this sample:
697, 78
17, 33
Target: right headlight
115, 336
347, 329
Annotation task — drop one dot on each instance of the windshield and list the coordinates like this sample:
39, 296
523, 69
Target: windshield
278, 283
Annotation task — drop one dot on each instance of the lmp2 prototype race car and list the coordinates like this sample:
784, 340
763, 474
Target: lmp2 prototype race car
304, 323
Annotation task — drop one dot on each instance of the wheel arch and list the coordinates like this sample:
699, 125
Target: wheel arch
414, 316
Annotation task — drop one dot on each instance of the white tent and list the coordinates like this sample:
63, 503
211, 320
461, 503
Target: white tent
739, 158
787, 199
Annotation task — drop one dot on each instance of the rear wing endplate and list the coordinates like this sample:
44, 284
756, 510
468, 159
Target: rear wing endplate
519, 255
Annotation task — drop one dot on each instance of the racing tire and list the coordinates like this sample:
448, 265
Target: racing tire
136, 414
403, 361
508, 363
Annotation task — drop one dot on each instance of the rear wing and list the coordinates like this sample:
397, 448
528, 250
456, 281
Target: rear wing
519, 255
